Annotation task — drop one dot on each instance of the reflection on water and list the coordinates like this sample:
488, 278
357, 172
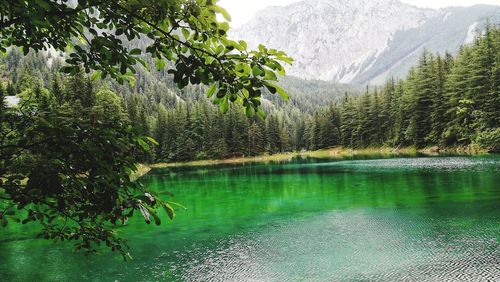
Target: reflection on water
363, 245
417, 219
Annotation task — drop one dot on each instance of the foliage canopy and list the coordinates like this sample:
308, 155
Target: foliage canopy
185, 33
67, 152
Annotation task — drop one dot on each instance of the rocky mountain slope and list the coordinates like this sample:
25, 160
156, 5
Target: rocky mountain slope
362, 41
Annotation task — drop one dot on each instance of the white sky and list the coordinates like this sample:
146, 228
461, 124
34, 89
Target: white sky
243, 10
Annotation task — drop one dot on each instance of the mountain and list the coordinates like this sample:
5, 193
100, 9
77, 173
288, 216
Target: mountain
362, 41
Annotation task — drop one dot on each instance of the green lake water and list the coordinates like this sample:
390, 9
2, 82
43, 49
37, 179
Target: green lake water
412, 219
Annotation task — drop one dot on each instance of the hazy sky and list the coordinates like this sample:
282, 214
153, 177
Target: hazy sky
243, 10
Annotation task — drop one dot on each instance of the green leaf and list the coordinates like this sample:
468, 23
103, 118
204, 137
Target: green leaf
152, 140
224, 106
185, 33
221, 11
143, 63
270, 75
245, 93
211, 91
273, 88
282, 93
256, 71
250, 111
96, 75
243, 69
144, 145
285, 59
270, 87
135, 51
131, 81
82, 40
16, 219
177, 205
145, 214
160, 64
152, 212
169, 210
243, 44
128, 256
261, 114
219, 49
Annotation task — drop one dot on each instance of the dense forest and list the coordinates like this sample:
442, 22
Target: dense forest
186, 124
444, 101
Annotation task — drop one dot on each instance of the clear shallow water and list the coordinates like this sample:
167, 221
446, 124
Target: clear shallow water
414, 219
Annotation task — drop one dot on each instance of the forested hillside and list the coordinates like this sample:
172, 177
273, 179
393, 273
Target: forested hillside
444, 101
186, 124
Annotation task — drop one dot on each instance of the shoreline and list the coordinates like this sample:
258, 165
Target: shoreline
331, 153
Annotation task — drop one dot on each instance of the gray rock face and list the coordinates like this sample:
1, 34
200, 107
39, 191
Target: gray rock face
361, 41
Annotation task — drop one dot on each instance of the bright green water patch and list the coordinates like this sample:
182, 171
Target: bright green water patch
392, 219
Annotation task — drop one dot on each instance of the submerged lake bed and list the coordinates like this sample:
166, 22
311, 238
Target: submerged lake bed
416, 219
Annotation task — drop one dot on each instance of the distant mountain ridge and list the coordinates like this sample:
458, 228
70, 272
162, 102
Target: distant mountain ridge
362, 41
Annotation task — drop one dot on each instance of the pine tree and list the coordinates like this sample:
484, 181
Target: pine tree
57, 89
493, 99
374, 121
348, 122
299, 139
237, 132
274, 136
459, 101
398, 115
196, 128
386, 115
255, 145
315, 134
438, 102
423, 100
219, 147
160, 134
364, 129
79, 89
333, 126
480, 69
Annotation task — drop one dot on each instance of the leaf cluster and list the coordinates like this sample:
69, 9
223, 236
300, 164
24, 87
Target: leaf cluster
66, 164
183, 36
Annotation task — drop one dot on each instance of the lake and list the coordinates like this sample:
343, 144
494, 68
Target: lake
413, 219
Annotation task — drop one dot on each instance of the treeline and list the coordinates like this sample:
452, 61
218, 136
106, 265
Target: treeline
185, 123
444, 101
199, 132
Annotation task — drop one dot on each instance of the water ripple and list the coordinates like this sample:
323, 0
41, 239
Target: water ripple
349, 247
436, 163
